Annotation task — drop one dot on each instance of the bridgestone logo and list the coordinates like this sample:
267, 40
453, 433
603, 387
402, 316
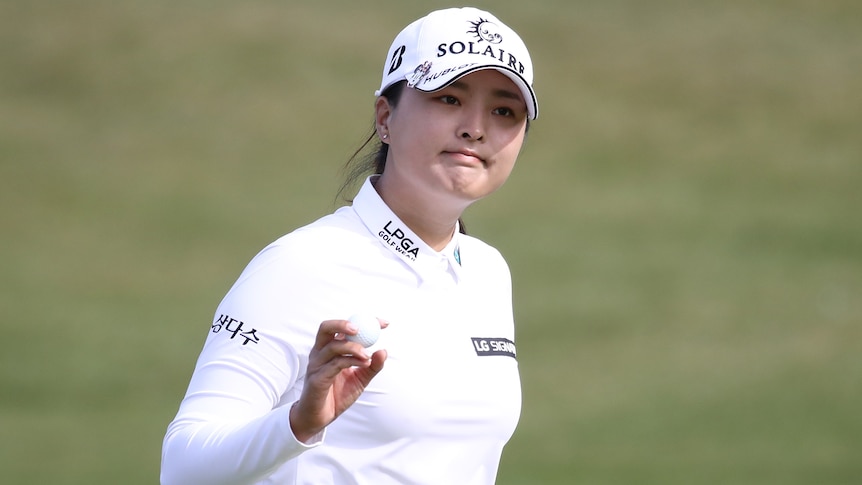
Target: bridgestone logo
494, 346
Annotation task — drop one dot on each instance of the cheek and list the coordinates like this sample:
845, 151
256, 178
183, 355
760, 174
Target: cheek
509, 152
505, 170
412, 132
410, 148
505, 160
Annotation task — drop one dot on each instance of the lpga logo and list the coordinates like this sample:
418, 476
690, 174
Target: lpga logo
399, 241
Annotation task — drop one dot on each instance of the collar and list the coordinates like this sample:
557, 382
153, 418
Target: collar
397, 237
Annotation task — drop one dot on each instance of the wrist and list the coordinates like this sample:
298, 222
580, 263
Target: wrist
299, 426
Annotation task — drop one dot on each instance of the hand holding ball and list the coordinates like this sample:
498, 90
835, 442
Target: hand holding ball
369, 330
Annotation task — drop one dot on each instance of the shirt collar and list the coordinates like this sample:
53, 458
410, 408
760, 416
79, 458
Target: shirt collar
396, 236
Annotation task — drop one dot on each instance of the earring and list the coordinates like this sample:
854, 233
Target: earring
385, 136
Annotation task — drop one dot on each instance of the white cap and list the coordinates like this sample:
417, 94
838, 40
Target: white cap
446, 45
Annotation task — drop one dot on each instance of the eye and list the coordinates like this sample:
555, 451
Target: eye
503, 111
449, 99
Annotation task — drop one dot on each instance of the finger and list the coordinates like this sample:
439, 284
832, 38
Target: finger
329, 329
330, 369
335, 349
375, 365
363, 369
377, 360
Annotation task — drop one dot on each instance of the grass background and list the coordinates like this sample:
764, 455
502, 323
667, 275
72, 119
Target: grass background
683, 226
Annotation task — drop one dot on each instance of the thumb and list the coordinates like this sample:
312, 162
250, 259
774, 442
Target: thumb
377, 360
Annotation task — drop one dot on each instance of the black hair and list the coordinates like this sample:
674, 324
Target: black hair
359, 166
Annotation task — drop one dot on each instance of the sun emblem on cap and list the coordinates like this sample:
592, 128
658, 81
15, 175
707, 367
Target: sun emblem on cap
486, 30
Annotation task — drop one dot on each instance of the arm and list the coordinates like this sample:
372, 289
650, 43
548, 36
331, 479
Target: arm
236, 424
231, 427
225, 435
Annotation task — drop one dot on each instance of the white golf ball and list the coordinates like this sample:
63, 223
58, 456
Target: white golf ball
369, 329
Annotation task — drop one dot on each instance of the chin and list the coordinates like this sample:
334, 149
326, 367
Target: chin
475, 192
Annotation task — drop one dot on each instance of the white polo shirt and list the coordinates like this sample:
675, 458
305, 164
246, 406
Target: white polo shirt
440, 411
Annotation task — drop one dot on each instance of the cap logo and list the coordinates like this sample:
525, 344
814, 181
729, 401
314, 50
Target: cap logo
397, 58
486, 30
419, 73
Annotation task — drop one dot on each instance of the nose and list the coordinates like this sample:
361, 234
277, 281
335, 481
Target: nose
472, 125
472, 135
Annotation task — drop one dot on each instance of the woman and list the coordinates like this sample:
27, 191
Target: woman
279, 393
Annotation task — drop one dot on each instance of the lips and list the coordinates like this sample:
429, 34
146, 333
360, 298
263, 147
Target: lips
467, 155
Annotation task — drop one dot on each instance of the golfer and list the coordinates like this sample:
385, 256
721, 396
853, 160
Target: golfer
279, 395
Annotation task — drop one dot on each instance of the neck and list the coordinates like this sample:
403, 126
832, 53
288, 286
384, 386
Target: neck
433, 222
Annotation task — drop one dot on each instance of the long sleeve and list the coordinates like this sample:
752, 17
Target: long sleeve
233, 424
216, 452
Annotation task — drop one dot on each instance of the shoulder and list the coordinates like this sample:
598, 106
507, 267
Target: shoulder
333, 238
336, 236
478, 254
299, 267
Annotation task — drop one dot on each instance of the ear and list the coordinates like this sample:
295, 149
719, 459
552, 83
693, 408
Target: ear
382, 112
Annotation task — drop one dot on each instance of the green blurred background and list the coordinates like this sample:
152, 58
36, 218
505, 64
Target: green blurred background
683, 225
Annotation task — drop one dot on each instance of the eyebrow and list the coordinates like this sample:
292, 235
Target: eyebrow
500, 93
